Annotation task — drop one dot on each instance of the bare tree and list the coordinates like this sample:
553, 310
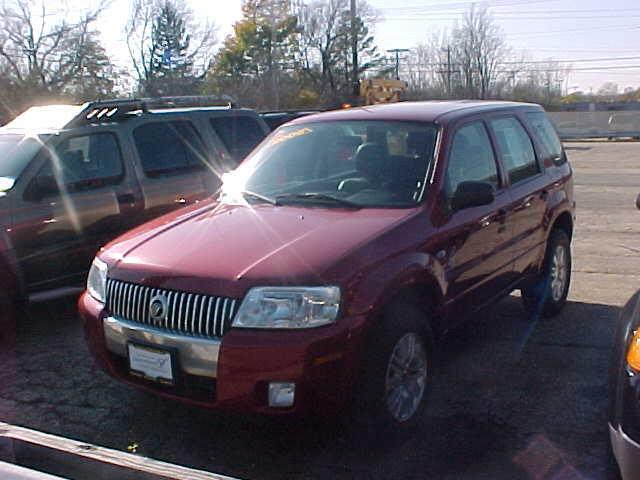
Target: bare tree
142, 43
326, 41
44, 52
480, 48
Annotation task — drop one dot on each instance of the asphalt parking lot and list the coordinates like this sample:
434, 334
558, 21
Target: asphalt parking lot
513, 398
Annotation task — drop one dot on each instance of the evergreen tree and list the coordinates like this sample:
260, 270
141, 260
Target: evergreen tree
171, 65
257, 60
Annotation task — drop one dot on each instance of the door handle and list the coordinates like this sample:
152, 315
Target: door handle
180, 200
499, 217
485, 222
526, 203
126, 198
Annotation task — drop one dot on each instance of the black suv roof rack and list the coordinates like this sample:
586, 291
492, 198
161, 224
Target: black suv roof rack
113, 110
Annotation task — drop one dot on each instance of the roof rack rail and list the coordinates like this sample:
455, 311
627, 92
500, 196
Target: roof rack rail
298, 110
113, 110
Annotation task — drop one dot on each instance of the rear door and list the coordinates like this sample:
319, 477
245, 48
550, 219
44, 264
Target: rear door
474, 242
173, 164
529, 188
71, 201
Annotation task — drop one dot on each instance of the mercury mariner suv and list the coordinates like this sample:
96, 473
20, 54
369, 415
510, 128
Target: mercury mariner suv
338, 255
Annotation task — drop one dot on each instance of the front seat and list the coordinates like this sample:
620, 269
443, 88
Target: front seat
371, 163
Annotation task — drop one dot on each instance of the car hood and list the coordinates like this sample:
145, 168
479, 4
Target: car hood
225, 249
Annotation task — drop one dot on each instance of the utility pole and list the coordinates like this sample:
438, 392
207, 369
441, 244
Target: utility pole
449, 71
354, 49
398, 51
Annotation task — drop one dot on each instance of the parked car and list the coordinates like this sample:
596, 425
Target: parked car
624, 389
74, 177
341, 251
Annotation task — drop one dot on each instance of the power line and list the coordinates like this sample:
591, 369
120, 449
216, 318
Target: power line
428, 11
467, 3
549, 16
538, 62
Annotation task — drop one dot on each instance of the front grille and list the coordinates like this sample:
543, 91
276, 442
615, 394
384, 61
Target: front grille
188, 313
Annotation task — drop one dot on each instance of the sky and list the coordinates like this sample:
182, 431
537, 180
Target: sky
599, 39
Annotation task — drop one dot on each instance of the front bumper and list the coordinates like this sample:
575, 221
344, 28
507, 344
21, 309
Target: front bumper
627, 453
234, 372
198, 356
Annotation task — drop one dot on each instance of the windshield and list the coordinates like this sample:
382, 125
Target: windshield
340, 163
15, 153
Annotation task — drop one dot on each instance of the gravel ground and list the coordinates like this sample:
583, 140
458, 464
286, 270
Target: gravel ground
512, 398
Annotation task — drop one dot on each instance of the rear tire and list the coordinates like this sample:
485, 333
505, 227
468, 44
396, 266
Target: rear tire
549, 294
397, 370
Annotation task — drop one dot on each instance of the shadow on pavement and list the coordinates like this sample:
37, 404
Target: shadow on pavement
512, 398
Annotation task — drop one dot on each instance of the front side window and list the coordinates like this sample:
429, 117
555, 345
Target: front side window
79, 163
169, 148
471, 159
516, 149
357, 163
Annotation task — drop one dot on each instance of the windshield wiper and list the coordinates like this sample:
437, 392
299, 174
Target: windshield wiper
320, 197
258, 196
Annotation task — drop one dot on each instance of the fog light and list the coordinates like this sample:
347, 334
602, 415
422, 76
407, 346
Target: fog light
281, 394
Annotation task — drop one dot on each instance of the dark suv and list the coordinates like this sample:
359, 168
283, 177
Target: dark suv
338, 254
74, 177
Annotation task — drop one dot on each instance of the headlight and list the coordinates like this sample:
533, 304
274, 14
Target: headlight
633, 354
288, 307
97, 280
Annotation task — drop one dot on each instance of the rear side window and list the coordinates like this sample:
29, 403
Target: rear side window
546, 134
169, 148
516, 149
239, 134
471, 158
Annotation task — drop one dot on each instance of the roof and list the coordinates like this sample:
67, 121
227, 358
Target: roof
428, 111
53, 118
43, 119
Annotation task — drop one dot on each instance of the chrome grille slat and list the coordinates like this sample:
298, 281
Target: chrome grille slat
194, 313
224, 311
122, 298
188, 313
215, 317
208, 316
202, 303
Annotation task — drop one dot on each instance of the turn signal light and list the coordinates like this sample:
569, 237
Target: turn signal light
633, 354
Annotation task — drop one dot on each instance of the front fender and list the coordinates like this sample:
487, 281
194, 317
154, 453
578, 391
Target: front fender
374, 288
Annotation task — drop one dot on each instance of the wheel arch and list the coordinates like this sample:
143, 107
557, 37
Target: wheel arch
564, 222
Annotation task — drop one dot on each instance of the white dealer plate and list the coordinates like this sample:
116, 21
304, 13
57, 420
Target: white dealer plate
151, 363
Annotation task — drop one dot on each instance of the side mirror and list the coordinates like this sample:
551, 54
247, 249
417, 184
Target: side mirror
472, 194
638, 202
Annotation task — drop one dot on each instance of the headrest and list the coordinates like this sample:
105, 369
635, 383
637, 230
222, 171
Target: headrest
371, 160
417, 142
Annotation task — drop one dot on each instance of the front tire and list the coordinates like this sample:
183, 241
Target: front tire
397, 370
549, 295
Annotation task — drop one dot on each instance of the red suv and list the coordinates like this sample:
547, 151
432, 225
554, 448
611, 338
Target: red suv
337, 256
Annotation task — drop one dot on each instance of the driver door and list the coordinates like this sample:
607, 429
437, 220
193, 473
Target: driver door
72, 204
